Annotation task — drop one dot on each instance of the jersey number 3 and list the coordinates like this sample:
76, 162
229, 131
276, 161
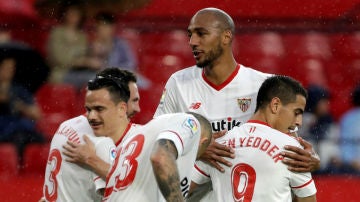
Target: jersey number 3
127, 164
243, 178
55, 163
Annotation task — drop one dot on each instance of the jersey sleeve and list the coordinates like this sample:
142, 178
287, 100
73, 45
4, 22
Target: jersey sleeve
106, 150
200, 173
168, 99
184, 133
302, 184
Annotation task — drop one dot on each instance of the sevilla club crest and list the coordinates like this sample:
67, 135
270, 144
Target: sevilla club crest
244, 103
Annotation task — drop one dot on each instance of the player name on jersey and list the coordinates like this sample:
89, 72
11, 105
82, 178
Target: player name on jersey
260, 143
70, 133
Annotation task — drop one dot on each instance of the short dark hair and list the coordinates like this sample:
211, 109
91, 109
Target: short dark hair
283, 87
224, 19
116, 81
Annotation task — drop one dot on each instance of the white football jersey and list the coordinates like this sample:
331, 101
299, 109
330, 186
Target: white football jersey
131, 177
65, 181
258, 173
225, 106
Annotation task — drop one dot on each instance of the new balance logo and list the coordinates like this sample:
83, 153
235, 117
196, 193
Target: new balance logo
195, 105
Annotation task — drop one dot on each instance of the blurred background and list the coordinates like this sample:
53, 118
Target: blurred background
45, 44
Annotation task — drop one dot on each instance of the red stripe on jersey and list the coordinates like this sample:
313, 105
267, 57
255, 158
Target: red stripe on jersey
97, 178
124, 133
303, 184
202, 172
259, 122
182, 143
226, 82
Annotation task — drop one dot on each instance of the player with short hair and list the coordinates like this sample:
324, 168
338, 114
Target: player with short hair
85, 153
155, 161
257, 172
221, 89
110, 97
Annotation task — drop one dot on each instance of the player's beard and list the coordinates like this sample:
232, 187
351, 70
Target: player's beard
211, 57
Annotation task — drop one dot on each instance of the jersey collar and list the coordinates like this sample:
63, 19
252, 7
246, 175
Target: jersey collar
226, 82
124, 133
259, 122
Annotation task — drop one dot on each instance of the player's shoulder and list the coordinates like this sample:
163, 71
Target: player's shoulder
253, 72
75, 121
187, 72
101, 140
79, 124
173, 116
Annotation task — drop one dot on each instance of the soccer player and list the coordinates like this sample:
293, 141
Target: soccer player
85, 153
221, 89
155, 161
107, 102
257, 172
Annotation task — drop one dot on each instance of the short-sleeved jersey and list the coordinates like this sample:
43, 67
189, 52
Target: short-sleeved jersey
131, 177
65, 181
225, 106
258, 173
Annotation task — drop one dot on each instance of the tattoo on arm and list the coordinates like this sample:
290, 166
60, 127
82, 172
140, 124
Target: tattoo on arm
163, 159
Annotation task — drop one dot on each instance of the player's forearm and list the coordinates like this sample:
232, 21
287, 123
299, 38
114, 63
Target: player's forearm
99, 166
307, 199
165, 170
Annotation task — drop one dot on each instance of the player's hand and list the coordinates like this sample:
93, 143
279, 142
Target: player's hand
215, 152
79, 153
42, 199
301, 160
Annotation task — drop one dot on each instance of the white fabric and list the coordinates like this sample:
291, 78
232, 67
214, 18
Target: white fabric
219, 104
66, 181
258, 163
131, 178
187, 90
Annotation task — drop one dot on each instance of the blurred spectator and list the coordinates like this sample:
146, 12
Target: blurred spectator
67, 42
18, 111
31, 68
320, 128
107, 49
350, 134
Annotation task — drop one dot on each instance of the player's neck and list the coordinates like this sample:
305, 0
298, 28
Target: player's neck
263, 117
220, 71
120, 132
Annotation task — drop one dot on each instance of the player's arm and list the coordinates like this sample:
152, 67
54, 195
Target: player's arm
193, 187
85, 154
42, 199
301, 160
163, 159
215, 152
306, 199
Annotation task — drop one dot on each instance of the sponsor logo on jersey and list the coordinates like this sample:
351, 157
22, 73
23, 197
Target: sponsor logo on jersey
113, 153
224, 124
244, 103
192, 125
195, 105
185, 186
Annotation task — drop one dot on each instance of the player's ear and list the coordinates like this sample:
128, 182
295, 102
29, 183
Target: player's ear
227, 37
122, 107
275, 104
204, 140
